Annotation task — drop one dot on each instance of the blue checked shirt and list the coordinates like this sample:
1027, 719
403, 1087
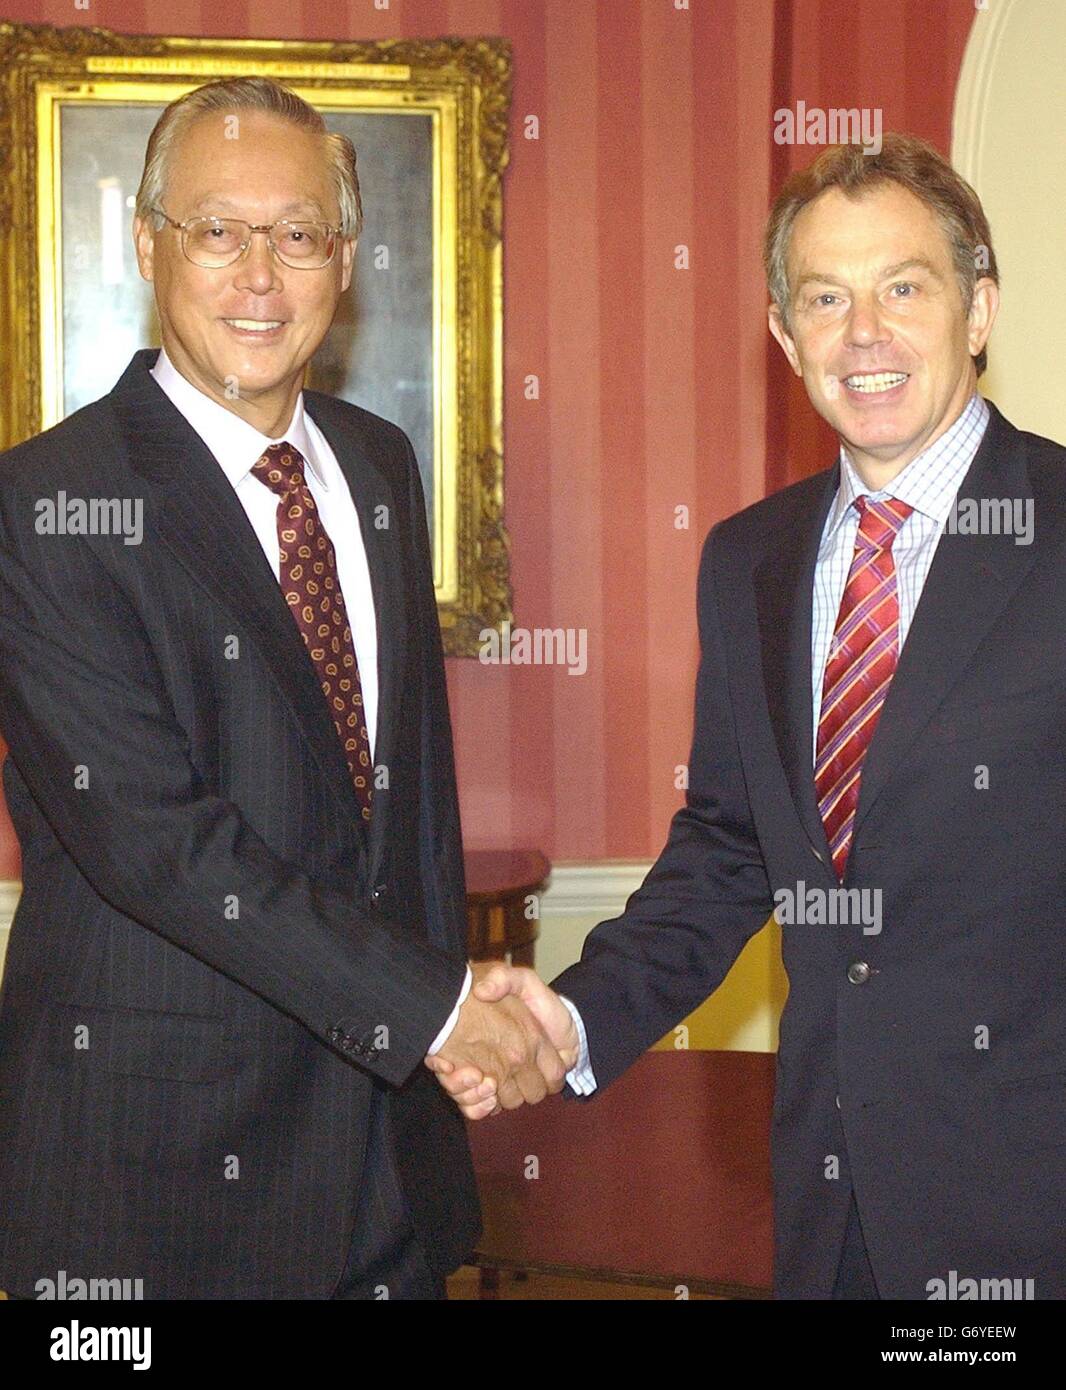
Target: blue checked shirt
929, 484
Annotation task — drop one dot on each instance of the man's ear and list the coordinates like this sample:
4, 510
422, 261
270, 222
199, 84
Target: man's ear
777, 328
144, 245
348, 246
983, 313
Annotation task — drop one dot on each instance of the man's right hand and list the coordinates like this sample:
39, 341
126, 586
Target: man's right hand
499, 1050
499, 985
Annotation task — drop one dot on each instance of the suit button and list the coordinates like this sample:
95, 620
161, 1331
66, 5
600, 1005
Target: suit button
379, 892
858, 972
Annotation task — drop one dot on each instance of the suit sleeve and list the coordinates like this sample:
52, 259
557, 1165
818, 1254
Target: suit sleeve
641, 973
89, 723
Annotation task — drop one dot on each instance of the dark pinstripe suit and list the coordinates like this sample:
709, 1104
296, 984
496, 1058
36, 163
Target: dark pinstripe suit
213, 969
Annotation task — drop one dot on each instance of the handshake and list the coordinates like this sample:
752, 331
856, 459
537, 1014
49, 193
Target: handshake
514, 1042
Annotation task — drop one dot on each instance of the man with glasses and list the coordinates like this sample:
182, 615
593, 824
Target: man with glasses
216, 242
242, 920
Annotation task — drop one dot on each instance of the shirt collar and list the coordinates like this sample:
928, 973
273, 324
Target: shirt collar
235, 443
931, 480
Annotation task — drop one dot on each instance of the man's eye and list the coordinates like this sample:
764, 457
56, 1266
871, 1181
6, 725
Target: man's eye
904, 285
822, 301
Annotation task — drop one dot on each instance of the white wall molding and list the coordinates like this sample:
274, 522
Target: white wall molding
598, 888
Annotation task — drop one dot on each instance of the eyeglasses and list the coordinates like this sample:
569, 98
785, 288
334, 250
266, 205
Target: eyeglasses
216, 242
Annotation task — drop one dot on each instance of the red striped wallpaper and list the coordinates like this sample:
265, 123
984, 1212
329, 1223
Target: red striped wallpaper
634, 293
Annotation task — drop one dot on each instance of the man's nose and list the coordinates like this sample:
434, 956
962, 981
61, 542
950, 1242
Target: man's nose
865, 323
257, 269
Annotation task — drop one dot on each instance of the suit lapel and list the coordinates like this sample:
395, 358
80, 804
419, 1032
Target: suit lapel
971, 580
202, 523
784, 583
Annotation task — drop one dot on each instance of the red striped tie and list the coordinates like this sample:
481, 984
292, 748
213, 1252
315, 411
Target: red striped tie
862, 662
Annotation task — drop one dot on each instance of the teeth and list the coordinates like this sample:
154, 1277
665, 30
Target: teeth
256, 325
875, 381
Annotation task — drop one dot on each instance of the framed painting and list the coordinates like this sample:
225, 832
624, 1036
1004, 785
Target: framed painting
417, 338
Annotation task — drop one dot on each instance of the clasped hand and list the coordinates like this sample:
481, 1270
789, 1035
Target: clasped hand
514, 1042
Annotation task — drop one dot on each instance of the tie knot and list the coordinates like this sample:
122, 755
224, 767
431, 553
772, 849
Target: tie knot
281, 468
880, 522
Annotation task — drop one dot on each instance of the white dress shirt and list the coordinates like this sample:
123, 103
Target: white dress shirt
236, 447
929, 483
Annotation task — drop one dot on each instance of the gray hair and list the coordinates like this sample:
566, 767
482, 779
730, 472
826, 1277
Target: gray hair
248, 94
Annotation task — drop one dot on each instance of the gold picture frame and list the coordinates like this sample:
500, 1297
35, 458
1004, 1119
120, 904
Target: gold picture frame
69, 84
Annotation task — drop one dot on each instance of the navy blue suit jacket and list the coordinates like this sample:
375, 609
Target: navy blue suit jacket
956, 1150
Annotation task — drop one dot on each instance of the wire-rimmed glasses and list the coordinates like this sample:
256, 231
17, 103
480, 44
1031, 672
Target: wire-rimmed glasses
216, 242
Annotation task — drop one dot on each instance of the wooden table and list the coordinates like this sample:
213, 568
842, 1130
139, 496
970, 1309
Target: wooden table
663, 1180
498, 884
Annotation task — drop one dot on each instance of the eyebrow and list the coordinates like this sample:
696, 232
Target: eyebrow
912, 263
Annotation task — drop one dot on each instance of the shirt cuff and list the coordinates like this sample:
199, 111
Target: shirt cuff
453, 1018
580, 1078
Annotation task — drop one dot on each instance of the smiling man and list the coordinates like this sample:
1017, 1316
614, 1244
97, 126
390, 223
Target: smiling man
243, 338
242, 922
884, 317
881, 707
